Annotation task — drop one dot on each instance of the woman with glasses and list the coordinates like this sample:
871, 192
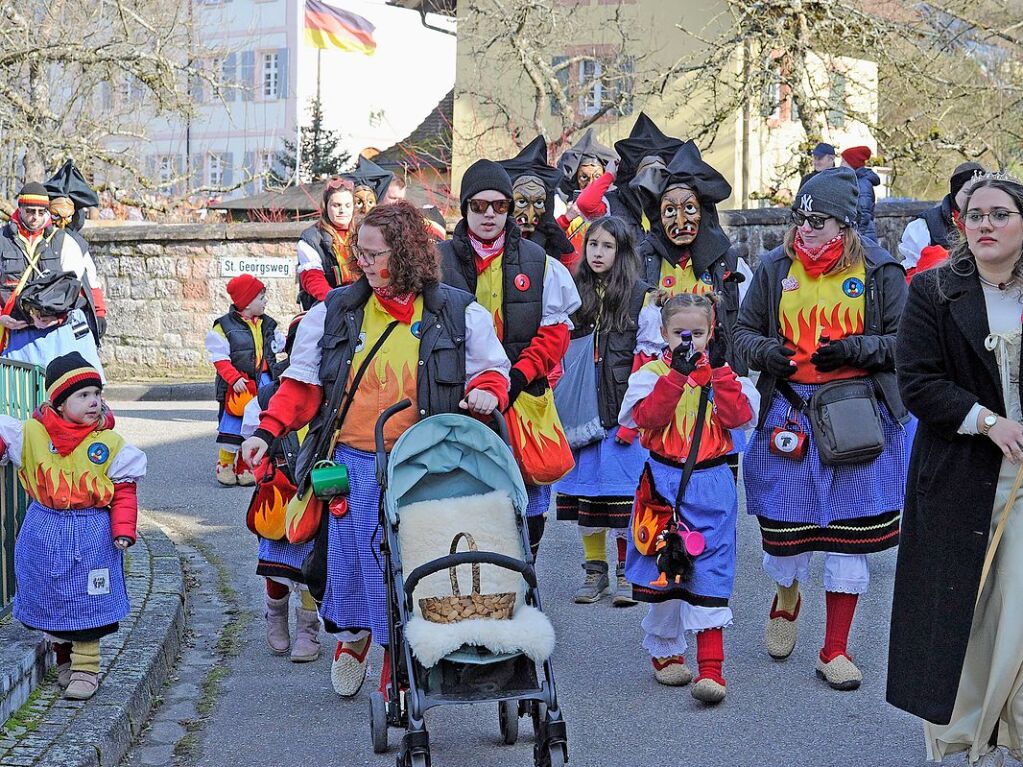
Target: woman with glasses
956, 652
397, 333
824, 307
323, 248
529, 295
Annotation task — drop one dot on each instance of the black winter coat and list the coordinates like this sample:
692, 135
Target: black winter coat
950, 492
758, 328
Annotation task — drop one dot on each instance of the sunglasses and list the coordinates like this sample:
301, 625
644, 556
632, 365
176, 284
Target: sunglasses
339, 183
815, 222
499, 206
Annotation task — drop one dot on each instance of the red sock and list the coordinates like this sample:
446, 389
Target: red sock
620, 540
276, 590
710, 654
841, 608
385, 672
63, 652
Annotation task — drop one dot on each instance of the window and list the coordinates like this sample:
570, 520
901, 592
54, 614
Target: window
166, 169
271, 76
262, 171
214, 170
591, 87
836, 101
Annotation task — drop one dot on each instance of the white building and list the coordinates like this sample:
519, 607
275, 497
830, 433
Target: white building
373, 101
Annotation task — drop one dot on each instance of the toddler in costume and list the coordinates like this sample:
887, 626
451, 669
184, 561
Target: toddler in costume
663, 401
68, 558
242, 346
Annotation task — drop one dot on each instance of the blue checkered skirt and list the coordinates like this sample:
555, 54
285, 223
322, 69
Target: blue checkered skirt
70, 575
538, 499
355, 597
281, 559
808, 492
604, 468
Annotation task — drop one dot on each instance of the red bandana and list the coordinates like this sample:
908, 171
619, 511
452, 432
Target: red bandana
25, 233
486, 251
819, 260
399, 307
67, 435
957, 219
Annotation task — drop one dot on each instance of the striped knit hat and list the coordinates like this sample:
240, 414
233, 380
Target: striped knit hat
34, 193
67, 374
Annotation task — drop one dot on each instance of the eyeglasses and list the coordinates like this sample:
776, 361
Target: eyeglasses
499, 206
998, 218
815, 222
366, 256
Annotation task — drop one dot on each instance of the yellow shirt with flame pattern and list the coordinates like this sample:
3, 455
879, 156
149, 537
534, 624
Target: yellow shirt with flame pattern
682, 279
75, 481
831, 305
390, 377
490, 291
674, 440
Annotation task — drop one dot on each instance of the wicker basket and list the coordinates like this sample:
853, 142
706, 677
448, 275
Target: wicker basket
460, 608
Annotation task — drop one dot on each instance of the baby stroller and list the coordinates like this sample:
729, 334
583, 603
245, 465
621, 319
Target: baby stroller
452, 473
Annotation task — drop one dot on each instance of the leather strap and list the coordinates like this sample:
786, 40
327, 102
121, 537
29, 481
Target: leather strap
694, 449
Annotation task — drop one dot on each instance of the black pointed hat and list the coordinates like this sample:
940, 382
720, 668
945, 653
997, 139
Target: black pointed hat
368, 173
532, 161
585, 148
644, 140
69, 182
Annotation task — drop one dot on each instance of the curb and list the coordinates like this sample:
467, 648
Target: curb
137, 661
183, 391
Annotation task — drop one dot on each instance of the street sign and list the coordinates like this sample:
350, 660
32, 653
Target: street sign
258, 266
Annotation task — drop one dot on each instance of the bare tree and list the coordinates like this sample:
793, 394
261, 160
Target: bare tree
561, 90
949, 81
85, 80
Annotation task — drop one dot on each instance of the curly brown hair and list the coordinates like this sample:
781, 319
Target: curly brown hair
415, 260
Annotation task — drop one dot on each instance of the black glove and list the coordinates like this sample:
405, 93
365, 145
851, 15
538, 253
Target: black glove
680, 359
717, 349
778, 362
518, 383
832, 356
101, 327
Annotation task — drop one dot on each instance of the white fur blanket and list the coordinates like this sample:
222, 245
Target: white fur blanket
424, 534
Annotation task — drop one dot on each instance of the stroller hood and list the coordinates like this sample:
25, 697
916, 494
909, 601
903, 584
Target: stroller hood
449, 456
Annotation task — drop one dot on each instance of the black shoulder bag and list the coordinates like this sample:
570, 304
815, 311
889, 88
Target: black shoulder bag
845, 420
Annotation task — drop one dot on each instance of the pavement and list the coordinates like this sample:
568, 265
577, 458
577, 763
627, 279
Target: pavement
266, 710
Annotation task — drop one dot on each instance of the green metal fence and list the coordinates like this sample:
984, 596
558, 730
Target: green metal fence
21, 392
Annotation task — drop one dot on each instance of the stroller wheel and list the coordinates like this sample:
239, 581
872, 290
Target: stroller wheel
556, 756
419, 760
508, 718
378, 721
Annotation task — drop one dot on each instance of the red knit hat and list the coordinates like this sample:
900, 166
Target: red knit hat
243, 289
856, 156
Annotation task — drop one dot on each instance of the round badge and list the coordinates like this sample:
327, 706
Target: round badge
361, 342
786, 441
644, 535
522, 282
98, 452
417, 331
853, 287
668, 281
706, 279
51, 448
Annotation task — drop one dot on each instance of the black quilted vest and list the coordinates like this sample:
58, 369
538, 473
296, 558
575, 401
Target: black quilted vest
243, 348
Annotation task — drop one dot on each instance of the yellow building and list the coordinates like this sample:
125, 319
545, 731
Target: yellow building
754, 148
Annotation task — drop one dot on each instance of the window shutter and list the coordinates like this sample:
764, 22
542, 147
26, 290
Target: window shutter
227, 161
196, 170
196, 91
624, 86
247, 79
106, 96
562, 76
836, 114
229, 77
282, 73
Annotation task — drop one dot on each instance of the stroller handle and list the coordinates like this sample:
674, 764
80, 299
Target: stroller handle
378, 433
468, 558
502, 426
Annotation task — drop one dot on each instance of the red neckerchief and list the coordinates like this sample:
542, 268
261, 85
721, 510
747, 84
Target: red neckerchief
399, 307
486, 251
957, 219
67, 435
819, 260
25, 233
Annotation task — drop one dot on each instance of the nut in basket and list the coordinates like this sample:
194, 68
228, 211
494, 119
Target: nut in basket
456, 607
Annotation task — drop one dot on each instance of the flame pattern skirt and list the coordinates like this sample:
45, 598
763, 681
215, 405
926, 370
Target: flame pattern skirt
70, 575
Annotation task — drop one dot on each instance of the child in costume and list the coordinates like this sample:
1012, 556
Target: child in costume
241, 346
280, 562
68, 557
616, 329
663, 401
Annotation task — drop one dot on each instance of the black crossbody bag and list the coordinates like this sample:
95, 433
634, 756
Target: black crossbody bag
845, 419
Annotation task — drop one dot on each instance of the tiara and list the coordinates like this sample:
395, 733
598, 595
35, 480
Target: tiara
998, 175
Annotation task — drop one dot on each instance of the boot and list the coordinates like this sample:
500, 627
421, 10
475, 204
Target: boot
623, 592
307, 636
595, 584
84, 680
277, 637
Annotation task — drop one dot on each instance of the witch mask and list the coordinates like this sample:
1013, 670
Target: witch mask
529, 202
680, 215
590, 169
365, 199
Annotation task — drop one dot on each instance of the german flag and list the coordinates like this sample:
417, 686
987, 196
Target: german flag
330, 27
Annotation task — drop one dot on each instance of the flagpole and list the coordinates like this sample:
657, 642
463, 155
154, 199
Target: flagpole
298, 103
318, 52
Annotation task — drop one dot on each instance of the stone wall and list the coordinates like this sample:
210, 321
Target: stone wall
166, 284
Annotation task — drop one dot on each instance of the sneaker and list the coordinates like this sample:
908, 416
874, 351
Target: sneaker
226, 475
82, 685
348, 670
595, 584
780, 636
672, 671
840, 673
64, 675
623, 592
706, 690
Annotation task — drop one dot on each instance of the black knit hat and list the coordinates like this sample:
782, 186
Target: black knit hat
67, 374
481, 176
832, 192
34, 193
963, 173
